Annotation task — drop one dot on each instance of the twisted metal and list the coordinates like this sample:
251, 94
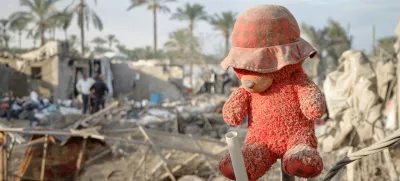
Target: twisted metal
374, 148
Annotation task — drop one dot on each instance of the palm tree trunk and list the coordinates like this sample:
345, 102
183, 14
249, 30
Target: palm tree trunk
226, 44
155, 30
42, 37
19, 37
54, 34
66, 35
110, 45
82, 4
191, 28
191, 59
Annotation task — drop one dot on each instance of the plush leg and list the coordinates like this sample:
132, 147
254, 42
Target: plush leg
302, 161
257, 160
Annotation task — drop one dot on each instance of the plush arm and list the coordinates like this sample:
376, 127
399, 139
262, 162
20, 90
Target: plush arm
236, 107
312, 101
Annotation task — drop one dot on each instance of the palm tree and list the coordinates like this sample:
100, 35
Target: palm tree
64, 20
73, 40
331, 41
73, 44
41, 13
85, 14
180, 42
387, 44
19, 25
224, 23
339, 40
5, 37
98, 41
191, 13
111, 39
318, 38
155, 6
34, 35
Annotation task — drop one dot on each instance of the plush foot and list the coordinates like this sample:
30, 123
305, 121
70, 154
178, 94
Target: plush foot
257, 160
302, 161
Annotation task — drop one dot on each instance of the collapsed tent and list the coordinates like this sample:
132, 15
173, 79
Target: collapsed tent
352, 100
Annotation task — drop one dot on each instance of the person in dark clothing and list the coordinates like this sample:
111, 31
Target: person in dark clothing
100, 91
226, 80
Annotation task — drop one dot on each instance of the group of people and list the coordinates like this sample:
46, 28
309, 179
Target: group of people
94, 93
211, 80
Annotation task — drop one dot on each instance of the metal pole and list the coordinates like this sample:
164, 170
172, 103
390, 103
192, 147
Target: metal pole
236, 156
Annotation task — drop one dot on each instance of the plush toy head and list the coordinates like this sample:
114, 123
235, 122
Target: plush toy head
255, 82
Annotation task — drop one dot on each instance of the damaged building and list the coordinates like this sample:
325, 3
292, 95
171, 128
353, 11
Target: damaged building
53, 72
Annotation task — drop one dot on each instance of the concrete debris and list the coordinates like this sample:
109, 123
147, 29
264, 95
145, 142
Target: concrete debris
37, 111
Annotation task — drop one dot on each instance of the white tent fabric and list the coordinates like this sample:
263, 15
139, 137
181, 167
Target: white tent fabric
339, 84
351, 96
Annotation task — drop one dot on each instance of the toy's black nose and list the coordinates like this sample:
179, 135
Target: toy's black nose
248, 84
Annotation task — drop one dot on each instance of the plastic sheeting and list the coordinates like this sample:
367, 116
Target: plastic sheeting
338, 86
385, 72
351, 96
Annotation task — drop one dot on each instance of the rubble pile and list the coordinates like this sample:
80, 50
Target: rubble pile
199, 116
359, 97
39, 111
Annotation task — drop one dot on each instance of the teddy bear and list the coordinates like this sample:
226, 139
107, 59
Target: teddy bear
280, 101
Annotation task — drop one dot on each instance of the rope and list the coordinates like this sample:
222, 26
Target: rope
374, 148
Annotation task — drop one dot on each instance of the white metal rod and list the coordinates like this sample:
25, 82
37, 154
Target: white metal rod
236, 156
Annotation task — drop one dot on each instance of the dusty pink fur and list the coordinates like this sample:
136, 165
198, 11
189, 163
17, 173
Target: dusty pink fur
279, 119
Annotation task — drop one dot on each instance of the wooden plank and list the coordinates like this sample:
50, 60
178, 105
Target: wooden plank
4, 156
98, 156
80, 158
99, 113
159, 164
157, 150
43, 166
176, 168
205, 157
1, 156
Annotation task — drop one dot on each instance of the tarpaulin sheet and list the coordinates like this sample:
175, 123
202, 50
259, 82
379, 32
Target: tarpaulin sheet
351, 96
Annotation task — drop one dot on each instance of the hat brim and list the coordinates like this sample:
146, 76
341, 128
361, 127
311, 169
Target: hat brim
268, 59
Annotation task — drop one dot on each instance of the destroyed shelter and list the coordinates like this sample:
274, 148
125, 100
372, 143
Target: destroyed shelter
55, 70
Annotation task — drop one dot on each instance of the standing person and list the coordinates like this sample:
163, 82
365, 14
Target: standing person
83, 86
226, 80
207, 82
213, 79
100, 91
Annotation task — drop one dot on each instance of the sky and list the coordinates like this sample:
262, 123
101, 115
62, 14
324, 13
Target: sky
134, 28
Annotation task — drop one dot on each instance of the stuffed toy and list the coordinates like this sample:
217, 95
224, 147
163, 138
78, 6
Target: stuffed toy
278, 98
